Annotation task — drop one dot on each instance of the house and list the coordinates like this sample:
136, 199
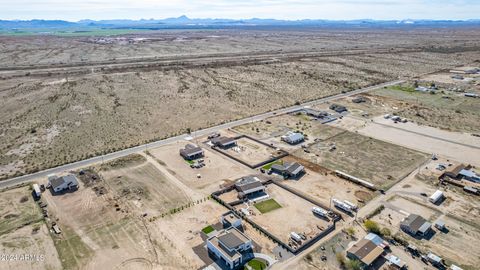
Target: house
230, 246
230, 219
365, 251
66, 182
338, 108
293, 138
463, 171
322, 116
436, 197
224, 142
292, 170
191, 152
395, 262
415, 225
455, 172
359, 99
249, 185
470, 175
377, 240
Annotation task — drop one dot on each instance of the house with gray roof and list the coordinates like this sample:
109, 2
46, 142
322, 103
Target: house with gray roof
191, 152
66, 182
223, 142
415, 225
230, 246
291, 170
249, 185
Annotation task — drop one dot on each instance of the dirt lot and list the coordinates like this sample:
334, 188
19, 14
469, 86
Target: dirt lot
323, 187
219, 169
378, 162
32, 239
299, 211
181, 233
17, 209
145, 187
47, 118
22, 231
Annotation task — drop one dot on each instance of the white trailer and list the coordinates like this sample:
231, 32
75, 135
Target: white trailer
437, 196
36, 190
341, 205
351, 205
320, 211
296, 237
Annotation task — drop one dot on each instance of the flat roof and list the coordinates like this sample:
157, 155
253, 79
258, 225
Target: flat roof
232, 239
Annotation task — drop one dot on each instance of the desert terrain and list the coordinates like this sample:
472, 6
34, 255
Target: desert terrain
54, 114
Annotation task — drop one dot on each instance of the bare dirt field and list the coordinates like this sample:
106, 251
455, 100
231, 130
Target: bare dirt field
323, 187
145, 187
22, 231
301, 219
32, 239
252, 152
180, 233
378, 162
218, 169
45, 119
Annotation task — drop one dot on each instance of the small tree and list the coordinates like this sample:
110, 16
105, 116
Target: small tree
354, 265
340, 259
372, 226
385, 232
351, 231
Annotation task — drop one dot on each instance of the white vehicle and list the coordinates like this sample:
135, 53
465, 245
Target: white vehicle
320, 211
296, 237
36, 190
387, 116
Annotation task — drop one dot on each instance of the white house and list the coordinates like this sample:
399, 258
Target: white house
66, 182
293, 138
230, 246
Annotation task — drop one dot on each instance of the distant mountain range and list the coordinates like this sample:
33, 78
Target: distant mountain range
185, 22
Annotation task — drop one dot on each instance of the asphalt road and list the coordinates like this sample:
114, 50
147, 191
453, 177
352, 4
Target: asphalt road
136, 149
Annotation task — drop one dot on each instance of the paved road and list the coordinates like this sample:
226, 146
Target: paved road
136, 149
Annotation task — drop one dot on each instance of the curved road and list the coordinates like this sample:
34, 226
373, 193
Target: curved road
140, 148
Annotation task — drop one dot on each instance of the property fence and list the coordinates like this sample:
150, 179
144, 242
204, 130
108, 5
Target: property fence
281, 154
216, 196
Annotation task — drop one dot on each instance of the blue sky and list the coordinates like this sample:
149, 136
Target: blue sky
74, 10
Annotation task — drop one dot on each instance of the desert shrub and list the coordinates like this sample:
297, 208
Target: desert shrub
372, 226
340, 259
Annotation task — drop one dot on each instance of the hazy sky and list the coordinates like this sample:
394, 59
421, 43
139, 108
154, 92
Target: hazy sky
236, 9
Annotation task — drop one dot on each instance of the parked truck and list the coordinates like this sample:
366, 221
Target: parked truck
37, 193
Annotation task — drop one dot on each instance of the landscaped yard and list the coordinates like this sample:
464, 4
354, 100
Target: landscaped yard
208, 229
267, 206
256, 265
269, 165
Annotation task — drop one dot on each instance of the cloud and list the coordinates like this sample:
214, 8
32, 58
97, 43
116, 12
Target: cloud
237, 9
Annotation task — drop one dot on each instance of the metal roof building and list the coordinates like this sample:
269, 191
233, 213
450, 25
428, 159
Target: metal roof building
365, 251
